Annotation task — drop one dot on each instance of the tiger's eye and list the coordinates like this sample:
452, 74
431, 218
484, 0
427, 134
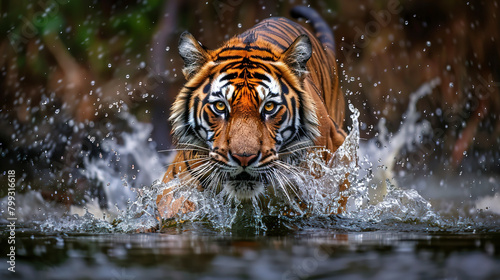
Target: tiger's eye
221, 106
269, 106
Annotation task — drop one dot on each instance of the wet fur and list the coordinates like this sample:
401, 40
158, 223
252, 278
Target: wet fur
244, 148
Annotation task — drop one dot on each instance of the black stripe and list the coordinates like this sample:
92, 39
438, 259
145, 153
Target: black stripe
186, 99
229, 66
250, 38
261, 77
245, 48
262, 84
263, 58
217, 94
284, 88
266, 68
289, 28
293, 126
229, 76
253, 64
205, 116
265, 157
197, 126
188, 166
228, 57
273, 41
284, 117
256, 99
301, 116
206, 89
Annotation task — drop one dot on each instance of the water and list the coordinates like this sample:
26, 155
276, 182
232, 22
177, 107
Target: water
397, 224
196, 252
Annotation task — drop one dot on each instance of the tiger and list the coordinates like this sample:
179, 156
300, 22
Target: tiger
252, 108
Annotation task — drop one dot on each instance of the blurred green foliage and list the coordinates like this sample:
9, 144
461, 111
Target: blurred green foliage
95, 32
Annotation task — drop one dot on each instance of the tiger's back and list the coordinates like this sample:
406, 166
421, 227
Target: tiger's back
323, 73
281, 32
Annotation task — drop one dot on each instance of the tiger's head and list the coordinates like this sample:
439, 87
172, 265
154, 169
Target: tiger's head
245, 112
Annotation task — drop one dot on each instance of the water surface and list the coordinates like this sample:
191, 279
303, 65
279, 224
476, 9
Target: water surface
197, 252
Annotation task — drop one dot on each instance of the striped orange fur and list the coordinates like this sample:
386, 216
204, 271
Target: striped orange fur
251, 109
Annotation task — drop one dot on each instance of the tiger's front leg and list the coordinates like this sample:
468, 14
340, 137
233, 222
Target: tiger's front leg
168, 206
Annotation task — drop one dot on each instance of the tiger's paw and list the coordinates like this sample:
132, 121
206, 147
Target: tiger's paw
170, 209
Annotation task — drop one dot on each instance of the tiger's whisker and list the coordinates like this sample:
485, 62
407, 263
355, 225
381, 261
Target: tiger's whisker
193, 145
290, 168
287, 181
184, 149
288, 151
188, 160
306, 143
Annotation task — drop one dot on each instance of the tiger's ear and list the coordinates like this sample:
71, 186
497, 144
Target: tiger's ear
297, 55
193, 53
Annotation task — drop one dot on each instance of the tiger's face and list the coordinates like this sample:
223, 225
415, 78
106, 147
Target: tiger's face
245, 112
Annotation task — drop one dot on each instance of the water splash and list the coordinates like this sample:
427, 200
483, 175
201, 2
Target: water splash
126, 165
374, 196
318, 189
378, 196
319, 186
125, 168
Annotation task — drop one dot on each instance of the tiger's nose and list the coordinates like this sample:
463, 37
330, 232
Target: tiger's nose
244, 159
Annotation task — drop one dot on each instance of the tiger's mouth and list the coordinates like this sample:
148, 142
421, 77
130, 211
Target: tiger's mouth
244, 185
247, 177
244, 176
